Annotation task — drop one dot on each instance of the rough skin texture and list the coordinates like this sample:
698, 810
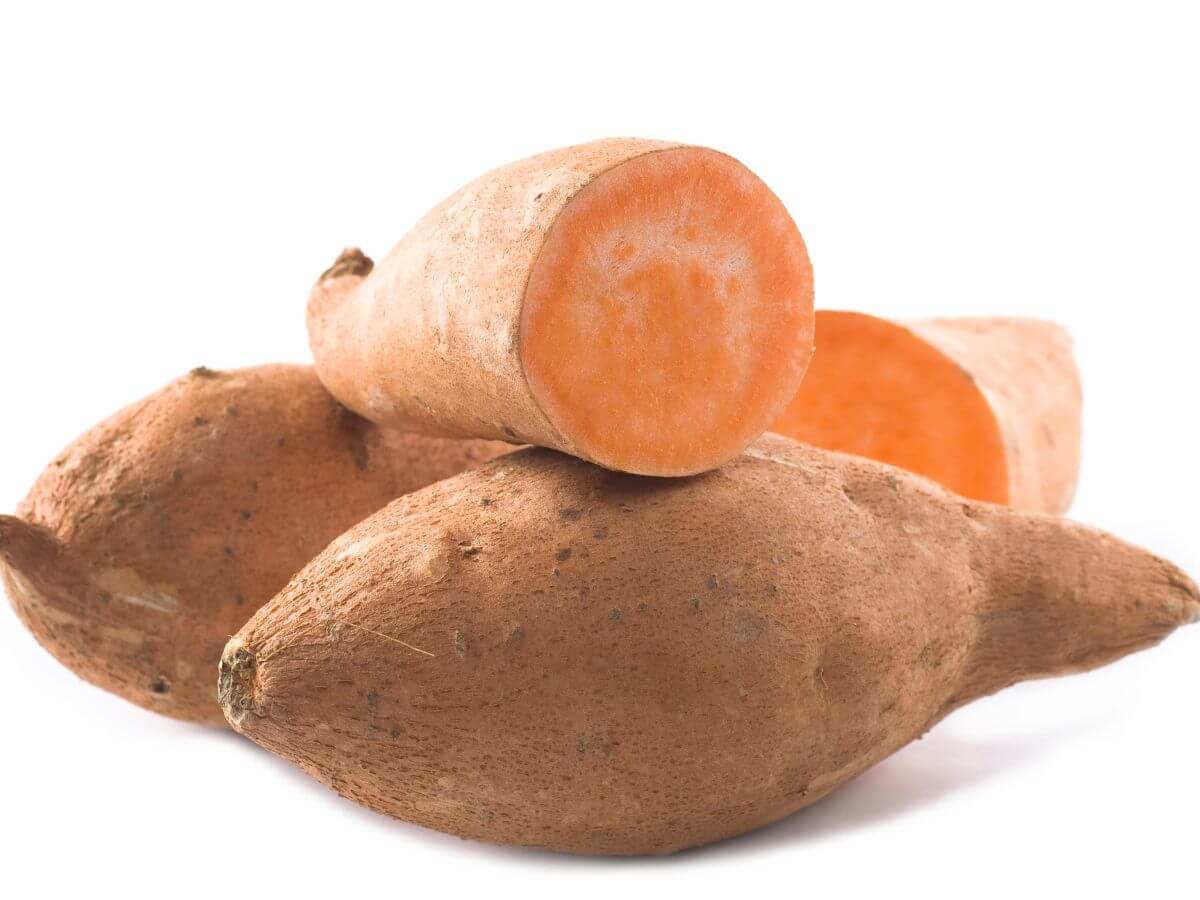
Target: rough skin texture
154, 537
544, 653
432, 338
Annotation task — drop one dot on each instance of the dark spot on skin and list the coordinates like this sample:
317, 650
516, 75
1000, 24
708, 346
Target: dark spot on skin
486, 501
600, 533
929, 656
539, 196
695, 602
517, 635
240, 600
462, 643
615, 615
570, 514
596, 745
177, 475
372, 698
203, 372
712, 583
199, 421
563, 555
246, 515
160, 685
231, 411
748, 628
281, 441
555, 572
228, 551
396, 732
642, 607
468, 550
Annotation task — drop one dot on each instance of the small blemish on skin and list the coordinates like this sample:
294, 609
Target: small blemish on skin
462, 643
160, 685
199, 421
713, 582
696, 603
563, 554
570, 514
615, 615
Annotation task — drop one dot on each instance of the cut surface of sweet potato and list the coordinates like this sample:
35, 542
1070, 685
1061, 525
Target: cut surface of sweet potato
989, 408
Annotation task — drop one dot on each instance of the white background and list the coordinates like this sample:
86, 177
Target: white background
172, 182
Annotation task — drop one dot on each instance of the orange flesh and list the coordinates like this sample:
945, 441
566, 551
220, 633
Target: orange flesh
668, 319
878, 390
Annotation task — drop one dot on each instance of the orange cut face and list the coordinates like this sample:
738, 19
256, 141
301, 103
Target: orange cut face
875, 389
668, 319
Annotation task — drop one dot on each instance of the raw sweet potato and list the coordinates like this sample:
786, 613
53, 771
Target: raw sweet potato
643, 305
540, 652
990, 408
153, 537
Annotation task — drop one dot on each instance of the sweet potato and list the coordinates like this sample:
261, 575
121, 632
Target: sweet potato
153, 537
540, 652
990, 408
643, 305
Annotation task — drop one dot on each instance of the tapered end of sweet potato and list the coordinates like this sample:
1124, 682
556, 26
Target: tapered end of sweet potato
25, 546
350, 261
338, 283
237, 682
1186, 590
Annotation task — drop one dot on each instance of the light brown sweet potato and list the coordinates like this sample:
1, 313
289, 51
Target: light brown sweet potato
643, 305
990, 408
153, 537
540, 652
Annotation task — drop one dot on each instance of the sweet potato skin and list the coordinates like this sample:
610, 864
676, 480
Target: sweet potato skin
369, 354
154, 536
543, 653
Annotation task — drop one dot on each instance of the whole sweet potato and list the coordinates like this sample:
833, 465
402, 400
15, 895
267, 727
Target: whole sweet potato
152, 538
544, 653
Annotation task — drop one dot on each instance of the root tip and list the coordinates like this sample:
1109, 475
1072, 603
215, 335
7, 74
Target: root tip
351, 261
22, 544
237, 683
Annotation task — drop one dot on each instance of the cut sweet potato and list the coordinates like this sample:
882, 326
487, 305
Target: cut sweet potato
989, 408
645, 306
